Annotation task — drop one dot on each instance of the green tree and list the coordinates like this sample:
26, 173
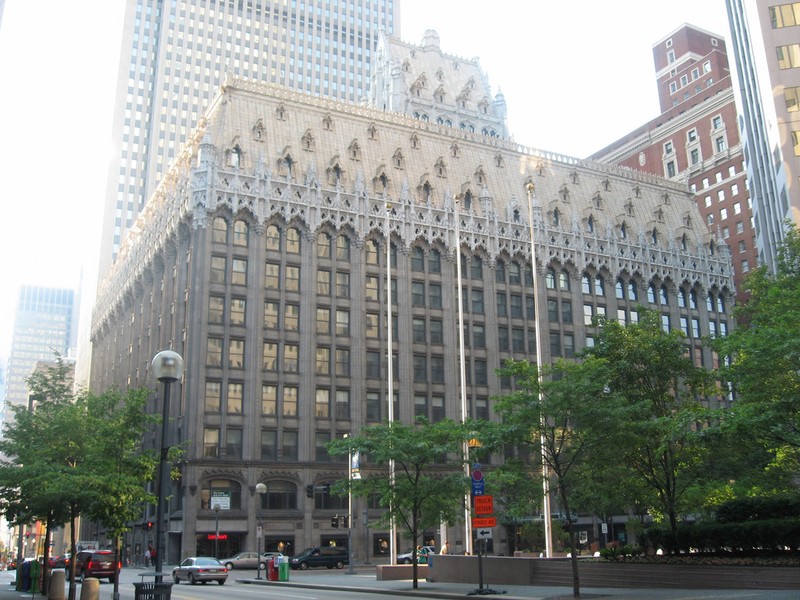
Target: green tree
562, 418
429, 472
660, 439
764, 353
72, 454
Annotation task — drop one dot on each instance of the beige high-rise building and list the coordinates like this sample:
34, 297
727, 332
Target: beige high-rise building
765, 40
262, 259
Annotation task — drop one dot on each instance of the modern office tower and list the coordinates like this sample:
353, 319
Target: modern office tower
766, 48
695, 139
175, 55
263, 261
45, 322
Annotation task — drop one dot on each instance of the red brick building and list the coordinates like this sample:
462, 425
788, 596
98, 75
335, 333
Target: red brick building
696, 139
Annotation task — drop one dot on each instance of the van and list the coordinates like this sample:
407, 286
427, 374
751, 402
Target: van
326, 556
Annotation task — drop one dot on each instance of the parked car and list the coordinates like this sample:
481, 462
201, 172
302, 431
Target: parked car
326, 556
60, 562
248, 560
200, 569
422, 556
95, 563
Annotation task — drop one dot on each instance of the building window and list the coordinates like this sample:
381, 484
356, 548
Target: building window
214, 352
216, 309
719, 144
373, 406
791, 96
371, 325
372, 288
323, 361
323, 326
218, 269
211, 442
788, 56
691, 135
272, 277
269, 444
796, 142
323, 245
373, 365
343, 404
343, 248
213, 396
322, 403
668, 148
420, 363
233, 443
342, 362
239, 268
240, 233
235, 398
236, 354
292, 278
436, 332
418, 330
323, 283
289, 401
290, 358
219, 232
342, 284
269, 399
784, 15
435, 295
273, 238
343, 323
238, 311
288, 452
434, 262
292, 241
437, 369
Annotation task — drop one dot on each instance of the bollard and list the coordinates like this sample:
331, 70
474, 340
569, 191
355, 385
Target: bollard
55, 591
90, 589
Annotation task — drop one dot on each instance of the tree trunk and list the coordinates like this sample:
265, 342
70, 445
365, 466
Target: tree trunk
576, 582
73, 517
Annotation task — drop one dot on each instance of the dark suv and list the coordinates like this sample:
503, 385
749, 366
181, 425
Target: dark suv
327, 556
95, 563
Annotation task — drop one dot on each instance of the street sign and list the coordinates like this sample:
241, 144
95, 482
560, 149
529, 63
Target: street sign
484, 505
483, 534
481, 522
477, 488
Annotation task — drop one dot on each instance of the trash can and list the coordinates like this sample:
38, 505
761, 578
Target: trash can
36, 576
272, 570
152, 590
283, 568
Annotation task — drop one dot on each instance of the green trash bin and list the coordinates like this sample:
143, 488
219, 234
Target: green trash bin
283, 569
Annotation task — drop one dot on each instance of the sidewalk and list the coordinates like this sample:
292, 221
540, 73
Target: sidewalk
365, 581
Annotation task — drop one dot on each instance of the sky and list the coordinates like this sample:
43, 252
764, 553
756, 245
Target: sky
576, 75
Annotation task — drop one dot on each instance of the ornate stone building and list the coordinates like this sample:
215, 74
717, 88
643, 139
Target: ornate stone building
262, 260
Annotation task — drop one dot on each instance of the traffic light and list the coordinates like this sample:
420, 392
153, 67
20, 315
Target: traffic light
344, 521
335, 522
148, 525
310, 491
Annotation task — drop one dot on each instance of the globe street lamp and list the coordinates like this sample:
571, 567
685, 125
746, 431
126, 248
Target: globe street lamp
168, 368
261, 489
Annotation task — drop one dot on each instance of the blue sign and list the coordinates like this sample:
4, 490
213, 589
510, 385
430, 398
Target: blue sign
477, 487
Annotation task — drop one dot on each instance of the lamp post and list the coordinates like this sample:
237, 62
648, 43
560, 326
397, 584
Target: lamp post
216, 531
168, 368
261, 489
548, 536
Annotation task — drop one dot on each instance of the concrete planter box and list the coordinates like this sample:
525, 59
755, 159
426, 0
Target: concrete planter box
397, 572
500, 570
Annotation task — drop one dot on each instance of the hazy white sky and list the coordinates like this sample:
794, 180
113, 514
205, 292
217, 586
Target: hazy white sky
576, 76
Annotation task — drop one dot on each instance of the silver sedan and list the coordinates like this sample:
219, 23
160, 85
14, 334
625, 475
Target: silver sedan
200, 569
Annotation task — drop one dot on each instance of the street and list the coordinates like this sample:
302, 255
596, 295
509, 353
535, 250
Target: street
232, 588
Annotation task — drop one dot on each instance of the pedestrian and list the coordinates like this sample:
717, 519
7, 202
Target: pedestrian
445, 548
147, 557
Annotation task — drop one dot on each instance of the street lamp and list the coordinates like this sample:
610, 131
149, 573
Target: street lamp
261, 489
216, 531
168, 368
